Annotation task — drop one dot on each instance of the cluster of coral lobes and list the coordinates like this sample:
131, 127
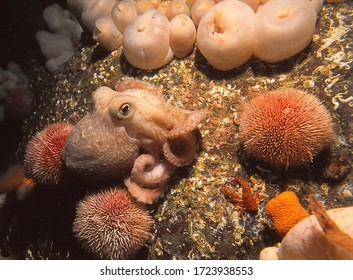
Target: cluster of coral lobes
180, 162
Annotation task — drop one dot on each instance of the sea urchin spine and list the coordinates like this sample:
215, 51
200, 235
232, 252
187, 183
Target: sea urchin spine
111, 224
285, 128
42, 157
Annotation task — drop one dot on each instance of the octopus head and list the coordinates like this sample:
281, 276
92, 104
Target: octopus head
145, 114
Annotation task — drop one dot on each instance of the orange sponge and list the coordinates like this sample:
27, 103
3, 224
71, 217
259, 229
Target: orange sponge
285, 212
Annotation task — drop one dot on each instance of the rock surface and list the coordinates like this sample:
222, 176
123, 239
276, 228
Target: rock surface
195, 220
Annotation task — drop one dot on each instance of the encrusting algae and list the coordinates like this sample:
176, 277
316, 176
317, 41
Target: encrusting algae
285, 212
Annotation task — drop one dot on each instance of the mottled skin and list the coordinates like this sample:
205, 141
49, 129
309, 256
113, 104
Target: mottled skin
94, 147
134, 134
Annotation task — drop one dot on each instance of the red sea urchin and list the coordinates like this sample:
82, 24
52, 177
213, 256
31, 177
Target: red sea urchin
42, 157
111, 224
285, 128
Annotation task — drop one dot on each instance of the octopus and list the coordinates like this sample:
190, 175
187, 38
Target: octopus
134, 135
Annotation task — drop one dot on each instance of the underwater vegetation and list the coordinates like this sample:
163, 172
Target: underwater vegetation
187, 160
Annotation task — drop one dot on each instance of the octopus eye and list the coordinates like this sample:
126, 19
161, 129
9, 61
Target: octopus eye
124, 109
121, 110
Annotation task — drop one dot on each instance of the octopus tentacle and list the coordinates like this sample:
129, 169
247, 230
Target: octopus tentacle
143, 195
180, 151
148, 173
187, 126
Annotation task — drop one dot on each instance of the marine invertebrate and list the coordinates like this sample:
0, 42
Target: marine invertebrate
190, 3
228, 24
42, 157
111, 224
12, 79
142, 6
93, 10
324, 235
146, 41
182, 35
247, 201
317, 5
163, 7
285, 212
107, 34
253, 4
199, 8
76, 6
177, 7
282, 28
59, 44
133, 119
14, 178
15, 99
123, 13
285, 127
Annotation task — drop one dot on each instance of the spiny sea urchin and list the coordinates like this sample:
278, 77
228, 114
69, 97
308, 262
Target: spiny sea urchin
42, 157
111, 224
285, 128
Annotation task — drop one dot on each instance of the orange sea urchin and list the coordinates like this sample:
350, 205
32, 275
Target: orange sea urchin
285, 128
111, 224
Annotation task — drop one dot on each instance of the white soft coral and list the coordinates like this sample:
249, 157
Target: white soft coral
59, 44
